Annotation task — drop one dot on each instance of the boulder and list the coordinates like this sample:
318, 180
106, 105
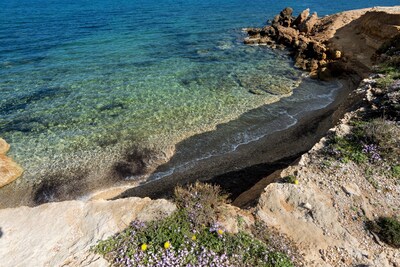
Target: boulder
313, 65
4, 146
336, 54
61, 234
9, 170
253, 31
286, 13
268, 31
301, 62
302, 17
286, 17
308, 25
286, 35
276, 21
251, 40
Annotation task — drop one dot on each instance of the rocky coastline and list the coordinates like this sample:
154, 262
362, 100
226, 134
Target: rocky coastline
332, 46
322, 214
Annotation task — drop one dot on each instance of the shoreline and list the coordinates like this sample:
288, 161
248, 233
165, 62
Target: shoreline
116, 185
284, 147
318, 209
266, 150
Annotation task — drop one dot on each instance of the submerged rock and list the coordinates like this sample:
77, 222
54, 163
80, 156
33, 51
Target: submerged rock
9, 170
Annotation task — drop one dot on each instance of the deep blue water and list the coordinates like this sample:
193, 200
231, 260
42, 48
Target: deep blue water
80, 81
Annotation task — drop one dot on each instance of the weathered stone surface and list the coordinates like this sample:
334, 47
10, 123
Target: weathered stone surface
287, 12
357, 33
4, 146
9, 170
286, 17
61, 234
306, 216
308, 25
286, 35
268, 30
336, 54
352, 189
302, 17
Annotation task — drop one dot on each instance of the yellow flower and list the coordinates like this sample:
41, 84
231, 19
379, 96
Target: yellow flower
143, 247
296, 181
220, 232
194, 238
167, 245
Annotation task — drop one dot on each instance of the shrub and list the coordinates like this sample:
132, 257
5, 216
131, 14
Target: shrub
368, 141
385, 134
390, 47
201, 201
388, 229
291, 179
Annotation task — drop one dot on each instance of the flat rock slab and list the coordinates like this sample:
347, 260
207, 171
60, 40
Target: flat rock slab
61, 234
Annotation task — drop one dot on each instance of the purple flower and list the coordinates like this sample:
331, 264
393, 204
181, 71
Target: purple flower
372, 151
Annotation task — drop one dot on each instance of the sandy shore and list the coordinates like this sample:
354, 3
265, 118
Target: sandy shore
257, 158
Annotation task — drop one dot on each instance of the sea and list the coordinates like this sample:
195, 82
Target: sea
102, 91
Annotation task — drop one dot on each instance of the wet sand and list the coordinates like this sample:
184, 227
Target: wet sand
240, 169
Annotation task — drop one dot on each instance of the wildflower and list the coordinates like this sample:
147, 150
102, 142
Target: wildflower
296, 182
220, 231
194, 237
167, 245
373, 151
143, 247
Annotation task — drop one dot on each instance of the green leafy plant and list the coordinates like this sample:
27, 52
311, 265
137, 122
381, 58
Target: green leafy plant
388, 229
396, 171
291, 179
184, 240
347, 149
201, 201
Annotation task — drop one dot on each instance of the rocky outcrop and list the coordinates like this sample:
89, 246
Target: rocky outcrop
308, 24
307, 216
9, 170
324, 215
61, 234
333, 45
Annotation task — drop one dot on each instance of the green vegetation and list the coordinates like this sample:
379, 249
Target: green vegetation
396, 171
190, 237
388, 229
291, 179
374, 145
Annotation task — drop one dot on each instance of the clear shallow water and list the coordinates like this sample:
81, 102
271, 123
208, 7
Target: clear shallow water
83, 81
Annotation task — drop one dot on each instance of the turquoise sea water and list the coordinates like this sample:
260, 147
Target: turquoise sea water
82, 82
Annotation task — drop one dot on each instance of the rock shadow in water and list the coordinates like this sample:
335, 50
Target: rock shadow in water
60, 186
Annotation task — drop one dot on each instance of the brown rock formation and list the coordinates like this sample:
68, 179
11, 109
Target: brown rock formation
4, 146
308, 25
9, 170
333, 45
301, 18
